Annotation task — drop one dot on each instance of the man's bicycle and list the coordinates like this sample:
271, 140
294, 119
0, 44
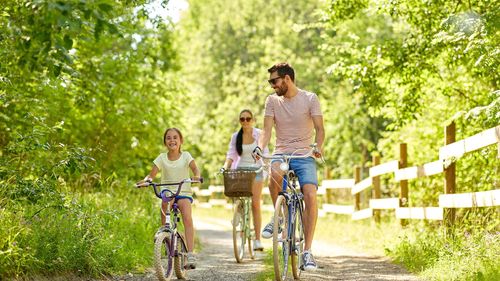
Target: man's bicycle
238, 185
288, 228
170, 250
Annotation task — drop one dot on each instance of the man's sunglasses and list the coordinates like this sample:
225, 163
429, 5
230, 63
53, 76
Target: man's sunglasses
243, 119
274, 80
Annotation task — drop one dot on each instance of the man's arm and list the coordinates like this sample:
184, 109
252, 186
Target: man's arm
265, 135
320, 132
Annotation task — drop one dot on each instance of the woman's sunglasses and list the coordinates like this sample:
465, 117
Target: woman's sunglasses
243, 119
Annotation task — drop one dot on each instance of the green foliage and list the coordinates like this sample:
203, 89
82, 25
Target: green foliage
86, 91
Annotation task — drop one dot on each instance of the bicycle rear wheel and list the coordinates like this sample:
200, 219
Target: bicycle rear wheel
239, 236
281, 243
163, 261
180, 260
298, 241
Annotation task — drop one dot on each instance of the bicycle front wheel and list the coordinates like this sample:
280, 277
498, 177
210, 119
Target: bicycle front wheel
163, 259
298, 241
281, 242
180, 260
239, 236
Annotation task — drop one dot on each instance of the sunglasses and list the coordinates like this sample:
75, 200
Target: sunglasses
274, 80
243, 119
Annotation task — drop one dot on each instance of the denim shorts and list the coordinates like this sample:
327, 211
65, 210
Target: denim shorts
258, 176
305, 170
177, 198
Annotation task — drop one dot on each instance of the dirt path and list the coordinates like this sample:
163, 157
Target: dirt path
216, 261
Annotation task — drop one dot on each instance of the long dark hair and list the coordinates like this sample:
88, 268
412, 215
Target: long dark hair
239, 137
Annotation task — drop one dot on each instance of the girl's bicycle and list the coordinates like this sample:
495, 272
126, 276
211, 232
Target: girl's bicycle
238, 185
170, 250
288, 228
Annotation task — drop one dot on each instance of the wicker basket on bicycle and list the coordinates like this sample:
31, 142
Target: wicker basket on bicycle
238, 183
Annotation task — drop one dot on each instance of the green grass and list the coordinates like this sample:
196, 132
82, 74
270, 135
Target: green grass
88, 234
463, 256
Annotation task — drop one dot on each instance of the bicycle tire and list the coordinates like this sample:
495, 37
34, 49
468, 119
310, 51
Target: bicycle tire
281, 244
180, 260
298, 241
163, 262
239, 236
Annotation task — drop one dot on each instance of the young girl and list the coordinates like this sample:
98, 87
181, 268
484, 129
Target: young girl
174, 166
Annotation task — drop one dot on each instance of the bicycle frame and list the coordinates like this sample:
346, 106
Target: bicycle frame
171, 227
245, 235
167, 244
246, 214
291, 199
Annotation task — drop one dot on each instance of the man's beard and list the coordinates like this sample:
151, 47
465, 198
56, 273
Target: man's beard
281, 91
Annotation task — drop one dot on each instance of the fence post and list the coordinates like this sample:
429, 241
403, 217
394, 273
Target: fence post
357, 178
449, 175
326, 172
376, 188
403, 184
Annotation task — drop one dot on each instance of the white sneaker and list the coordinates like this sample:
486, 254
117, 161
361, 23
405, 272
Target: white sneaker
257, 246
267, 232
309, 262
191, 261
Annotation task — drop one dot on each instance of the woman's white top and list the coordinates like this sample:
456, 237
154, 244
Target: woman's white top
246, 159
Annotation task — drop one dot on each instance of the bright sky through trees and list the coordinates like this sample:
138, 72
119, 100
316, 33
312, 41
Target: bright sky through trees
172, 10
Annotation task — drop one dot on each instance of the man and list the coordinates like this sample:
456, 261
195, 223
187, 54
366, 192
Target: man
297, 117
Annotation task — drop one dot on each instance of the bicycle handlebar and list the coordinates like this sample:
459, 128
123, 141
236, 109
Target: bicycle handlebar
172, 194
314, 149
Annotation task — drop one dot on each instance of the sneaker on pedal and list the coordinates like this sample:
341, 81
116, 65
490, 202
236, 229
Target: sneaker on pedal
309, 264
191, 261
267, 232
257, 246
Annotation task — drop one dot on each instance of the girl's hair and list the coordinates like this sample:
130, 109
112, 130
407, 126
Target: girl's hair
178, 132
239, 137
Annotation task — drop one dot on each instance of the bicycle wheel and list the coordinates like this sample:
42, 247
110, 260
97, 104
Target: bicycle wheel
281, 243
298, 241
180, 260
239, 231
163, 261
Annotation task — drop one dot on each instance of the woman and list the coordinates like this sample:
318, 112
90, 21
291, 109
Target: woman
239, 155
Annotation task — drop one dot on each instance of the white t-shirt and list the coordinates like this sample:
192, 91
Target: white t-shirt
246, 159
175, 171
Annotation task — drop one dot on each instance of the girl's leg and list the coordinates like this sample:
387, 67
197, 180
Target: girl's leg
257, 218
187, 220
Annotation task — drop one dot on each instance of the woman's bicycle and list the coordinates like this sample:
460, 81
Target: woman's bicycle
238, 185
288, 228
170, 250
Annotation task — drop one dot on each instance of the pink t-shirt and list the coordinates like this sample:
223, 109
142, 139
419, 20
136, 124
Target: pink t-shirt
293, 120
